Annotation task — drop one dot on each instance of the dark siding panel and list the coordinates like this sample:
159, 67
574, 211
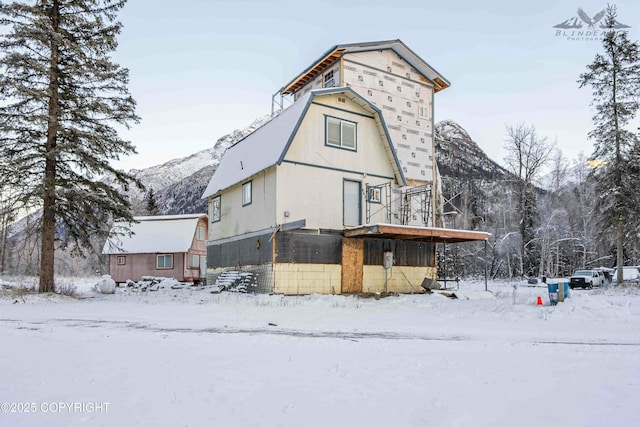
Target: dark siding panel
308, 248
405, 252
241, 252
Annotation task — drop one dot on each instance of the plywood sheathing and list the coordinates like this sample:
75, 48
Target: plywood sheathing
352, 265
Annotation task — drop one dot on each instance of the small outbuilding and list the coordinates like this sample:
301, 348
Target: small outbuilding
159, 246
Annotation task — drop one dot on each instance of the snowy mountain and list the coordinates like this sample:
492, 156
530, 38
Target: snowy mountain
178, 184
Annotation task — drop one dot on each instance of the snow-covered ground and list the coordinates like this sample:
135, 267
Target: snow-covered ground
192, 358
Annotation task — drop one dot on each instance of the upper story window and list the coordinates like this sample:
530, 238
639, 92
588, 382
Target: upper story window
423, 112
247, 190
200, 233
340, 133
215, 209
329, 80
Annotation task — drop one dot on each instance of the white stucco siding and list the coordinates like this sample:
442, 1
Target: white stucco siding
315, 195
310, 180
237, 219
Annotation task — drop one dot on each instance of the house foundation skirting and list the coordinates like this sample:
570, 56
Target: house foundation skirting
303, 262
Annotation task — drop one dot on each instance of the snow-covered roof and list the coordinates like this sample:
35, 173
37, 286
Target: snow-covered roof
268, 145
154, 234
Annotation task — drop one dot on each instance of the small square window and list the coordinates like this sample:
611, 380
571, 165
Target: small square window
215, 209
404, 136
360, 78
408, 104
247, 193
370, 92
417, 122
390, 99
375, 195
381, 83
164, 261
399, 118
399, 88
121, 260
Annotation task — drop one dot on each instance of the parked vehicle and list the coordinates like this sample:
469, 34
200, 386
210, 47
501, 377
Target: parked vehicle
586, 279
629, 274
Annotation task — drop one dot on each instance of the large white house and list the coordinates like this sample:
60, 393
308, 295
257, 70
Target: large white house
344, 178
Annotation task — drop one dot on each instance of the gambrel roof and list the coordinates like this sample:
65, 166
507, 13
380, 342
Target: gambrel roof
402, 50
154, 234
268, 145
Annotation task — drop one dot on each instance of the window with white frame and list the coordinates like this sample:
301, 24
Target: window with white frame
375, 195
200, 233
193, 261
247, 193
423, 112
164, 261
121, 260
215, 209
340, 133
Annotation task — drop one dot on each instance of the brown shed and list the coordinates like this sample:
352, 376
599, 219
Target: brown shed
160, 246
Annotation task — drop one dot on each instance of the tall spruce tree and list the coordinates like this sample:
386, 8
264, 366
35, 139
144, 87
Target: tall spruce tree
614, 76
60, 97
152, 205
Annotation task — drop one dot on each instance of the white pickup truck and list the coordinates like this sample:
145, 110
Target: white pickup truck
586, 279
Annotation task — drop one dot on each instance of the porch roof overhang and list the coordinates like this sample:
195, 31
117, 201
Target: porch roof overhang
425, 234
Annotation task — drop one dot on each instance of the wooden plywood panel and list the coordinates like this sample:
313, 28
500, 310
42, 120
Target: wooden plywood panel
352, 265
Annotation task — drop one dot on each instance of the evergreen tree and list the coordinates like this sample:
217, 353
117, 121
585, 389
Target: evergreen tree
152, 205
60, 96
614, 76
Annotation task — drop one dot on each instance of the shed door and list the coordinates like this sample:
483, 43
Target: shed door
352, 198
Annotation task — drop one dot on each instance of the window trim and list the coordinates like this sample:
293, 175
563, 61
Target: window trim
121, 257
215, 209
248, 184
170, 256
341, 121
373, 191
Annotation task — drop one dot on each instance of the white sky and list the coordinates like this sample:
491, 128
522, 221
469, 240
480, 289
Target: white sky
202, 68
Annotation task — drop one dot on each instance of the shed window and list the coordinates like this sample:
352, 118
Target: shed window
164, 261
193, 261
340, 133
121, 260
200, 233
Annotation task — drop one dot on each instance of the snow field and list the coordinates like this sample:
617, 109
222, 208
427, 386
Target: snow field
183, 357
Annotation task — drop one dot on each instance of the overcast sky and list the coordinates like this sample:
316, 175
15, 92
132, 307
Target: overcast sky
202, 68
